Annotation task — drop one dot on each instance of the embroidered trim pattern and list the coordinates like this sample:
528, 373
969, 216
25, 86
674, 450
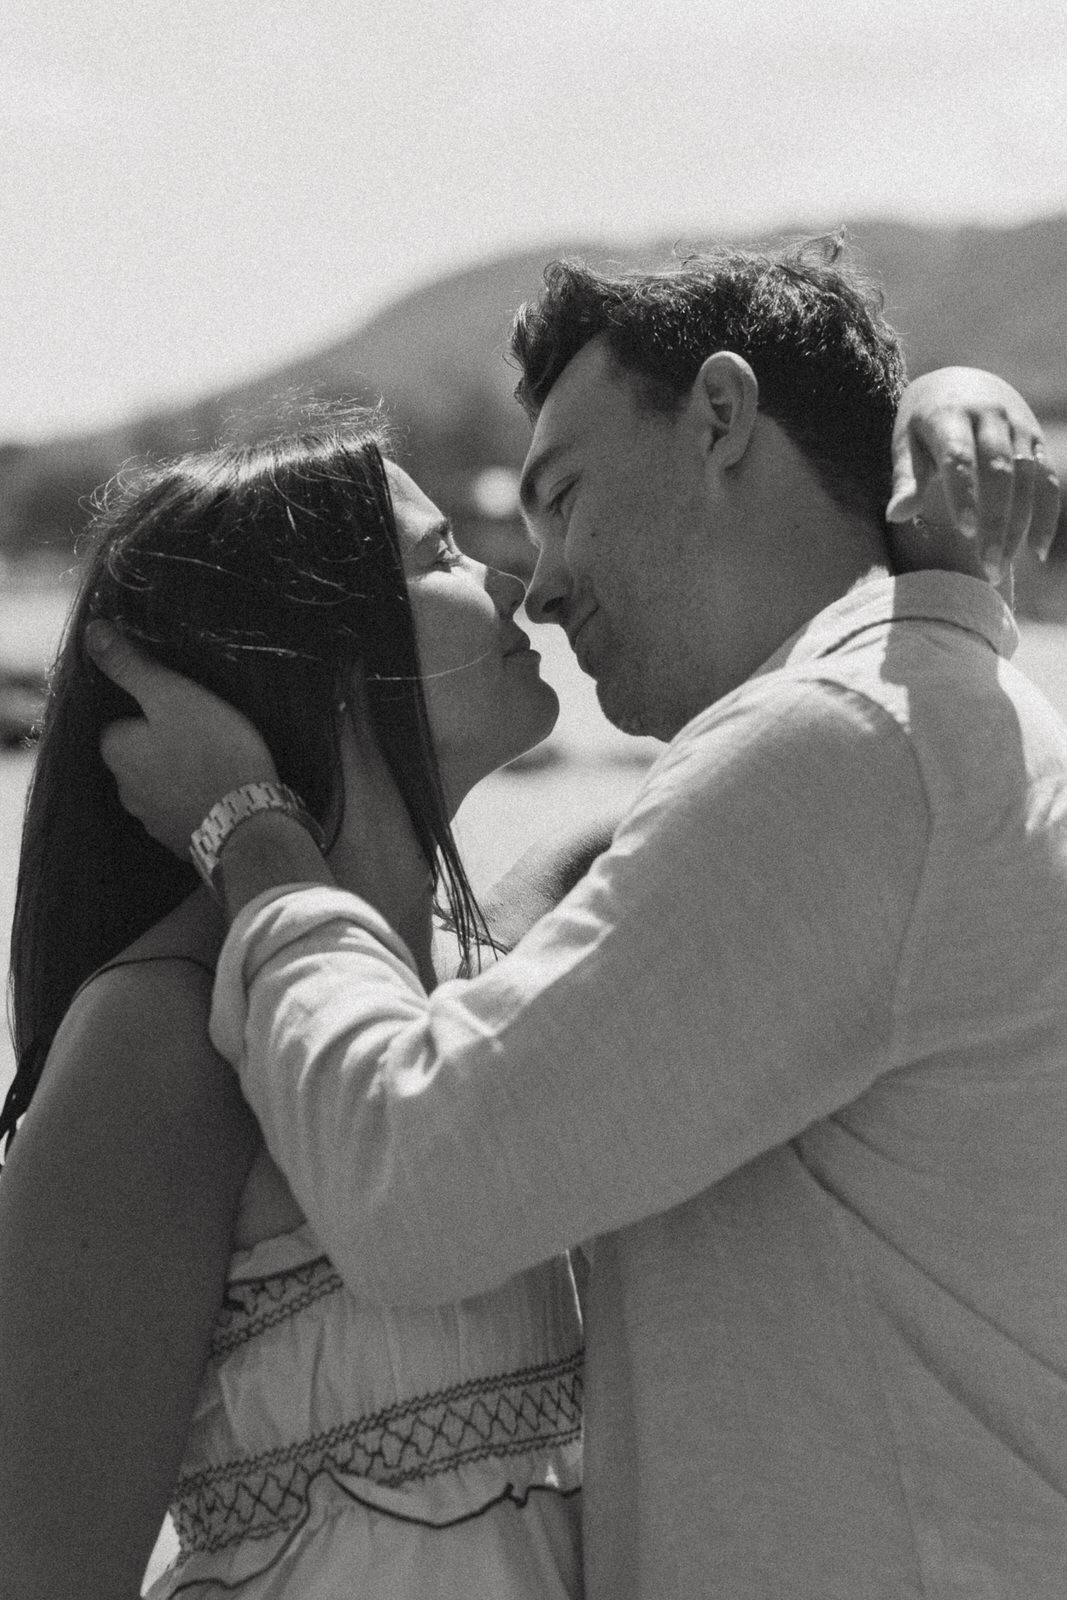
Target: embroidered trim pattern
257, 1497
250, 1305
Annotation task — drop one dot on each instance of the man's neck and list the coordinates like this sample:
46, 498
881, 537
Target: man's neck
804, 569
797, 549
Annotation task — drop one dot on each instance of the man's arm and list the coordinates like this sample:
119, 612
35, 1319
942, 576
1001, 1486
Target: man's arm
721, 978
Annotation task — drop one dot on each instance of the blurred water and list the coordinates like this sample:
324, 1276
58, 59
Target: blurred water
32, 613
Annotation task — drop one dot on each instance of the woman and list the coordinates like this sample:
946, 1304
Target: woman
316, 1443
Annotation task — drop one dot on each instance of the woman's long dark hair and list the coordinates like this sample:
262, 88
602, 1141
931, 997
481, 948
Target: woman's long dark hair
271, 575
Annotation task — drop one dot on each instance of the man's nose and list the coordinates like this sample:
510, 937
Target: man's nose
550, 588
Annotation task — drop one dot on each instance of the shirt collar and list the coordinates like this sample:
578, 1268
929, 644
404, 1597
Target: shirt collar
928, 596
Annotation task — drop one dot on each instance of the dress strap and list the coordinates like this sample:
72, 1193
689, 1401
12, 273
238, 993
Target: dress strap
142, 961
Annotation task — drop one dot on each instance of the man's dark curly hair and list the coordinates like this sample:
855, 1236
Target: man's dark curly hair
830, 368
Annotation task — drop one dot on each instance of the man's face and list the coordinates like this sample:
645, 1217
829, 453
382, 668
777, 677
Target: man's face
615, 500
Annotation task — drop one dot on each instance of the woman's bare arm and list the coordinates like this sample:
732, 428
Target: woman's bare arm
116, 1211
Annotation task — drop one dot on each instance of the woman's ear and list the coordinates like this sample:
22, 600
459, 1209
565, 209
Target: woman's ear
725, 396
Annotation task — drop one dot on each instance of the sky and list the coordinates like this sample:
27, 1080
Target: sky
191, 194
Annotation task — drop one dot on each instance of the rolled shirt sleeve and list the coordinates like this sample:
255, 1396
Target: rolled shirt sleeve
723, 977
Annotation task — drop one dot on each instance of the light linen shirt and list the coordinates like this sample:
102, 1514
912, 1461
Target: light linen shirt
794, 1057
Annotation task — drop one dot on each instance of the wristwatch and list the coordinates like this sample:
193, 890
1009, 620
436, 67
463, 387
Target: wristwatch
207, 841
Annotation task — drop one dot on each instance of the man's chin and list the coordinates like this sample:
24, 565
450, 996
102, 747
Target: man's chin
622, 711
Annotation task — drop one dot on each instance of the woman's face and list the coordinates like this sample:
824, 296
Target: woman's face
485, 696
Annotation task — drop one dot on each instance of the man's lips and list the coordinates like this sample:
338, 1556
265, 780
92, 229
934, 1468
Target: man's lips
577, 637
573, 634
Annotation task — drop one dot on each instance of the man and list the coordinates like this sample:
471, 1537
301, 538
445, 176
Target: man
789, 1060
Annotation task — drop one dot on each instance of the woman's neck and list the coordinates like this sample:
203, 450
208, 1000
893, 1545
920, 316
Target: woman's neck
376, 854
397, 882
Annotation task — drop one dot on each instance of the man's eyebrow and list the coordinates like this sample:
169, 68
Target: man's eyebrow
532, 471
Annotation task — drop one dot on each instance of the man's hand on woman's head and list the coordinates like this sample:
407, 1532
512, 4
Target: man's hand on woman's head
968, 448
186, 750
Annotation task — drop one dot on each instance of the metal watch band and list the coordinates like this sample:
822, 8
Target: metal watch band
207, 841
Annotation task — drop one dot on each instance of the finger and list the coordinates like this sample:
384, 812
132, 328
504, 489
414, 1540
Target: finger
912, 466
1021, 510
995, 483
141, 677
949, 440
1045, 517
119, 743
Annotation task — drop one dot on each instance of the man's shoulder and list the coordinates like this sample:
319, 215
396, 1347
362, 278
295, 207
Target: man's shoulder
790, 770
946, 687
977, 730
795, 734
816, 701
913, 674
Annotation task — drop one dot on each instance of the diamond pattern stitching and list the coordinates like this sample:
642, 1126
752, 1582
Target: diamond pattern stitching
251, 1305
256, 1497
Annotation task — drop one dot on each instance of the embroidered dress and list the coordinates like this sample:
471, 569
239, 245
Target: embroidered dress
342, 1450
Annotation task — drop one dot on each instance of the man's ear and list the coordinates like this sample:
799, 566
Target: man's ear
725, 397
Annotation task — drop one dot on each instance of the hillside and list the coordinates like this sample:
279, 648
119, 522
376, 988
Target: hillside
978, 296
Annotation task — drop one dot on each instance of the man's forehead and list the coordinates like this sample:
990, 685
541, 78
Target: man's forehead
588, 378
574, 409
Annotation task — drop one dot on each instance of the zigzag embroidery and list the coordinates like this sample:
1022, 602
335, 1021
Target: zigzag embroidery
251, 1305
255, 1497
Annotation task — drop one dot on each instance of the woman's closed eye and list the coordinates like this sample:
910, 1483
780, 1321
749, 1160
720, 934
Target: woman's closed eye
437, 550
448, 555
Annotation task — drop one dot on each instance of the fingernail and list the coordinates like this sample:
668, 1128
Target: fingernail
968, 521
992, 569
900, 507
99, 636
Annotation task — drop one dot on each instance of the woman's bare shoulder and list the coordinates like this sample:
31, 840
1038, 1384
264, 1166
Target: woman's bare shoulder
144, 1016
171, 966
192, 932
133, 1086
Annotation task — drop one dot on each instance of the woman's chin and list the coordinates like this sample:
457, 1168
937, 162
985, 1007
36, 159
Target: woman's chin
461, 771
529, 723
544, 724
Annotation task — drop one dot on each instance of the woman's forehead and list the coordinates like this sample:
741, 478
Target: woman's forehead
415, 512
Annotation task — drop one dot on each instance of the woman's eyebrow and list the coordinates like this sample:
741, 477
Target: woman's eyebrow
431, 539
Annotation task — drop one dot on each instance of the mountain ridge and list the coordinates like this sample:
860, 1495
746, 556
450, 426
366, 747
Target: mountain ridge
436, 355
